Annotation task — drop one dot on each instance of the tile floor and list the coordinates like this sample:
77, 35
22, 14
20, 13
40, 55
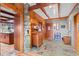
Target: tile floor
55, 48
7, 50
49, 48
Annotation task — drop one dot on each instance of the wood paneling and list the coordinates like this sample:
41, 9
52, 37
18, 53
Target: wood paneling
37, 37
76, 23
49, 31
7, 38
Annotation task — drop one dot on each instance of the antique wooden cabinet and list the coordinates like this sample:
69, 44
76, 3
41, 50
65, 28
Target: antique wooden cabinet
36, 36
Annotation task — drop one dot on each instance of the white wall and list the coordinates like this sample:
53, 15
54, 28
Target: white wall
63, 31
6, 28
71, 29
71, 25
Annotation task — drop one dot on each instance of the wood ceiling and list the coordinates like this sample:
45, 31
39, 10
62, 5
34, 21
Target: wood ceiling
7, 15
50, 11
45, 10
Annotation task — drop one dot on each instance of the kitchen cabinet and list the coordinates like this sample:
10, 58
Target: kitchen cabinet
7, 38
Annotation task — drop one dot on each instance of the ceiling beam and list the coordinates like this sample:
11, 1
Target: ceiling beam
61, 18
3, 20
58, 9
6, 22
7, 13
17, 7
7, 17
7, 10
45, 12
73, 9
9, 6
39, 5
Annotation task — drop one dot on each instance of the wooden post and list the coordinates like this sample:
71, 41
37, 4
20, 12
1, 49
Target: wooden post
19, 29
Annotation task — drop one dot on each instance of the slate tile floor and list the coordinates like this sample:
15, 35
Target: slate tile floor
56, 48
49, 48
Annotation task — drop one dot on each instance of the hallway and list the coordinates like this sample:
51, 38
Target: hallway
39, 29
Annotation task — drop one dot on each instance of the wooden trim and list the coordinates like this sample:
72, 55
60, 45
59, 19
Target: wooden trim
58, 18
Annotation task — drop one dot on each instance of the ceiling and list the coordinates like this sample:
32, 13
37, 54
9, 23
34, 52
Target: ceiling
7, 15
32, 4
45, 10
50, 11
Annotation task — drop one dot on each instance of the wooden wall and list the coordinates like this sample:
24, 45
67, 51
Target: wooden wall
76, 22
36, 20
49, 32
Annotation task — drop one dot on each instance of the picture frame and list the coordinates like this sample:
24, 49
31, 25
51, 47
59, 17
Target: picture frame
63, 26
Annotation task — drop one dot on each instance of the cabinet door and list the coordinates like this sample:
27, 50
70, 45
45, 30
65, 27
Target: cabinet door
35, 40
6, 38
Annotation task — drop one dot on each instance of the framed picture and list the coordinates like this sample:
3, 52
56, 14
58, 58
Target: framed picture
63, 26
